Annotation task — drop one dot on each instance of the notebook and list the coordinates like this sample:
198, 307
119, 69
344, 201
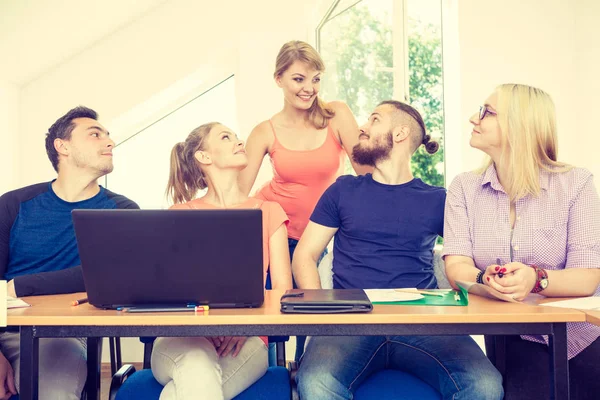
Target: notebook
324, 301
171, 257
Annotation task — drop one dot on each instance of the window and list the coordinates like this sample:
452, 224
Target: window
142, 160
387, 49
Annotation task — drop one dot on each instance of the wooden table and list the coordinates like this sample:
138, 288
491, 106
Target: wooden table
53, 316
593, 316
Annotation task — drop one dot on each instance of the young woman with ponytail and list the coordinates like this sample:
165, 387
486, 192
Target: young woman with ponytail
219, 367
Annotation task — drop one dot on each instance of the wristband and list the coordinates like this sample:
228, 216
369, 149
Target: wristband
541, 279
480, 277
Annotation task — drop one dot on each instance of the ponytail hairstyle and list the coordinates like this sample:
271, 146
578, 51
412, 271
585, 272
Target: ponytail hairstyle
295, 50
185, 176
419, 134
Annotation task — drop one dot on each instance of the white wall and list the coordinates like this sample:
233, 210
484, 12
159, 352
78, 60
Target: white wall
550, 44
584, 136
176, 39
124, 69
9, 132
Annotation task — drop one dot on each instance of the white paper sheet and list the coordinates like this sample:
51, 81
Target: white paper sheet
391, 295
13, 302
582, 303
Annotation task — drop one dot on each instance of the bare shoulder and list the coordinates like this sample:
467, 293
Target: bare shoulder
261, 130
262, 135
339, 107
180, 206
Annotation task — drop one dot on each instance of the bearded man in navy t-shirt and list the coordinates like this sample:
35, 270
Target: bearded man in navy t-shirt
385, 226
38, 249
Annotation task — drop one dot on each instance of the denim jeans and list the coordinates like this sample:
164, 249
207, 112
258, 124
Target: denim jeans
300, 340
333, 368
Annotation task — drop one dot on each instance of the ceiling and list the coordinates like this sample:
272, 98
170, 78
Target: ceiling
37, 35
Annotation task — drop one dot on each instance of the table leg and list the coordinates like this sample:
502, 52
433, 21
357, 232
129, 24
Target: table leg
94, 354
29, 364
118, 352
559, 363
113, 358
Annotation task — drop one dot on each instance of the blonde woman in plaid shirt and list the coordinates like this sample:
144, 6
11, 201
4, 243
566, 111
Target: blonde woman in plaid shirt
527, 223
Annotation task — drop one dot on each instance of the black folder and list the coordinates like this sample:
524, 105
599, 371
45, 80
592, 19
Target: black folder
325, 301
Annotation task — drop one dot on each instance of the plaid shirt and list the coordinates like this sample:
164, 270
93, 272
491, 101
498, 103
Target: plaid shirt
558, 229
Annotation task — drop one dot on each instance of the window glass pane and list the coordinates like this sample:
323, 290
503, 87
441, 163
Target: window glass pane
142, 161
357, 49
425, 82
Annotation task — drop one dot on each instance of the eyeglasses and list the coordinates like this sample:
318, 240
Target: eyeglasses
484, 110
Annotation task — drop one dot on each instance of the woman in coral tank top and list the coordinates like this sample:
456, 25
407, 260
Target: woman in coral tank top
306, 142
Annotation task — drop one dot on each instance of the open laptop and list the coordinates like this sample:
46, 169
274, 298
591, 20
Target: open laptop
171, 257
325, 301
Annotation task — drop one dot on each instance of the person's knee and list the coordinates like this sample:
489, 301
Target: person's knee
315, 382
491, 387
487, 384
171, 356
63, 368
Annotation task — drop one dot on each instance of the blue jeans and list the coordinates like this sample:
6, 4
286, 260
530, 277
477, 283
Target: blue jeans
334, 367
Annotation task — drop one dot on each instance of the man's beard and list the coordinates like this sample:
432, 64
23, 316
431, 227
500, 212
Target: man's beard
370, 156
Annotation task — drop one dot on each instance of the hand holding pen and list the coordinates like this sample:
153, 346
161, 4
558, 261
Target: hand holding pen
500, 268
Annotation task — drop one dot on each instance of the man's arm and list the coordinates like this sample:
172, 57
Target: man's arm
68, 280
6, 222
312, 243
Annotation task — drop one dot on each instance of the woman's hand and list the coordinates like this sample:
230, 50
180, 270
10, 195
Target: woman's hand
230, 344
517, 279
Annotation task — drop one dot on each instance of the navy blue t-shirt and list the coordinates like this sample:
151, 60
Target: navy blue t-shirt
37, 236
386, 233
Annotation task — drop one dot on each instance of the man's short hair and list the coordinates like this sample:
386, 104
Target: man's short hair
418, 134
62, 129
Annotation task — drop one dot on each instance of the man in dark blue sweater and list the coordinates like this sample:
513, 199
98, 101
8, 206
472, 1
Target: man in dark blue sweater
385, 228
38, 249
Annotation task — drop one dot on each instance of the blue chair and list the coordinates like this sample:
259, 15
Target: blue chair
394, 384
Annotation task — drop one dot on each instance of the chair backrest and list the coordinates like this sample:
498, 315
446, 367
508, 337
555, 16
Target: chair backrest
439, 270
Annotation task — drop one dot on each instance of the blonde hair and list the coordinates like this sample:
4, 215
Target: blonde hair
296, 50
527, 120
185, 176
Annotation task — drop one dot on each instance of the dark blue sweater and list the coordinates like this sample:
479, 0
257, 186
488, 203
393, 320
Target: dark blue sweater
38, 248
